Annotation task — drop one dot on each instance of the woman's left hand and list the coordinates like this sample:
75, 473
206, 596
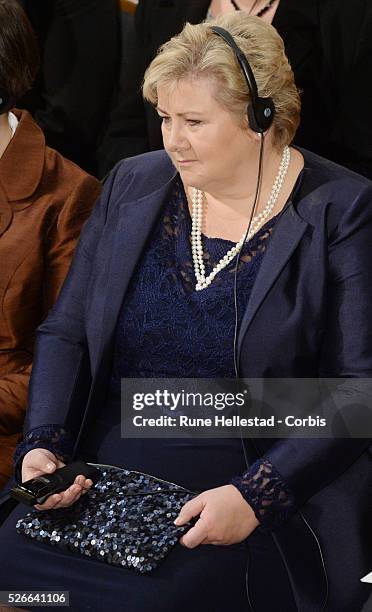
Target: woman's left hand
224, 518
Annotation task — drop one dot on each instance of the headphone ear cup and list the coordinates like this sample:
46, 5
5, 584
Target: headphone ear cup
261, 116
252, 121
266, 112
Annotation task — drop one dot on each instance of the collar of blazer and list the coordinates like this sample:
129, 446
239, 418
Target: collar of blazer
22, 164
21, 168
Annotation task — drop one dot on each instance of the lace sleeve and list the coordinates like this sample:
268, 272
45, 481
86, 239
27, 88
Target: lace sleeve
51, 437
267, 493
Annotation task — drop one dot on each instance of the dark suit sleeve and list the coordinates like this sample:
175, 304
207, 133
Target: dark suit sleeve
126, 132
61, 349
63, 235
308, 465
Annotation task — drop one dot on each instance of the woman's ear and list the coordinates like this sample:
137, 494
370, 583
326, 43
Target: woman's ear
252, 135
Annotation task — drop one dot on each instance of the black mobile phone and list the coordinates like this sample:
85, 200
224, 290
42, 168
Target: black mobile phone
37, 490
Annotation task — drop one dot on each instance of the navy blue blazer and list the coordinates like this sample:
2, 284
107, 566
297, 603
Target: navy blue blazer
308, 316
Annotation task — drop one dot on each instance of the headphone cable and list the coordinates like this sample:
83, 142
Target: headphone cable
236, 328
258, 189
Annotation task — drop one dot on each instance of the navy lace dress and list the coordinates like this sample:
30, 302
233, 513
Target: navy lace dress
167, 329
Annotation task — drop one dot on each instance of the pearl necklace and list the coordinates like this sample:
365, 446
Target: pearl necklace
197, 216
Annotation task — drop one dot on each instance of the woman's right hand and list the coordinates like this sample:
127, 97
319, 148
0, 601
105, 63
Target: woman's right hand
41, 461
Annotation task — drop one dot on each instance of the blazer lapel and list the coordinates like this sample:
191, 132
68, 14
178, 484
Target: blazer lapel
287, 233
26, 150
124, 243
133, 225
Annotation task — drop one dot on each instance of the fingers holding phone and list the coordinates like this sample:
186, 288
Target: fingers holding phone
41, 464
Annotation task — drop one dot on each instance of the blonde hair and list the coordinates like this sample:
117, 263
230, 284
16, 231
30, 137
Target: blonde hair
198, 52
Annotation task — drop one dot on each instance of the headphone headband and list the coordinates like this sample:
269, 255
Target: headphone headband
260, 111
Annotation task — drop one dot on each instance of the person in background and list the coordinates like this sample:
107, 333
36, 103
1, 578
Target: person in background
329, 48
80, 50
281, 524
44, 201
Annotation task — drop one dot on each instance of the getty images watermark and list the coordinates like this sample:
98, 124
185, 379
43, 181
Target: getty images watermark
225, 408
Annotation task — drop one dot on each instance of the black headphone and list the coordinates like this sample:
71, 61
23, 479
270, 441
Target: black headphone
260, 111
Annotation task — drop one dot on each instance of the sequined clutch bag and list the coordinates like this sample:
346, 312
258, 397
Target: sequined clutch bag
126, 520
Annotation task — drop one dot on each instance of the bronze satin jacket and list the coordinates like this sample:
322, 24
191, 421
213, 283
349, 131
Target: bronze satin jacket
44, 200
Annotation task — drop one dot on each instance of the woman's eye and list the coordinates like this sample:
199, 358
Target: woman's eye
193, 121
164, 119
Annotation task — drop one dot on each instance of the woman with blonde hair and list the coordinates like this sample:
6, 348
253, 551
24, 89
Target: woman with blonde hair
231, 253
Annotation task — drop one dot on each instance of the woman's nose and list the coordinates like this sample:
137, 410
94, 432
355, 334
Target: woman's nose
176, 140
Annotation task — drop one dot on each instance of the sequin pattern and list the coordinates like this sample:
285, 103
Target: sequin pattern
125, 520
